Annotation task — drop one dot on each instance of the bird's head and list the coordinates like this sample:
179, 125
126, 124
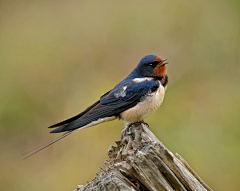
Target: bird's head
152, 66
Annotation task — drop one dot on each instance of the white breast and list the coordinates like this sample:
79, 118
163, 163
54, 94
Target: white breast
146, 107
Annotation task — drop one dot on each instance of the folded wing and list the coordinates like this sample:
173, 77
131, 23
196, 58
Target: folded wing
109, 106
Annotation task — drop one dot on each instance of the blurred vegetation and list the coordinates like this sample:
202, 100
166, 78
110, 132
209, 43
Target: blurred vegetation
58, 57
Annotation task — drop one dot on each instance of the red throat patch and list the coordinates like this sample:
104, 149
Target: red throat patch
160, 71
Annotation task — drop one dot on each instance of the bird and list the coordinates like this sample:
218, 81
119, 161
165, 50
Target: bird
132, 100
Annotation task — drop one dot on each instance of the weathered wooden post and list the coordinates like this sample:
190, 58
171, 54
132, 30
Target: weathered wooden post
141, 162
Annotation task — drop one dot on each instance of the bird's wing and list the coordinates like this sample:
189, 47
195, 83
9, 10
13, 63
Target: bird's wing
61, 124
112, 104
69, 120
129, 95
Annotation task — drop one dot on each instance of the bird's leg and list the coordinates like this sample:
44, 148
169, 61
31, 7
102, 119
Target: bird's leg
145, 123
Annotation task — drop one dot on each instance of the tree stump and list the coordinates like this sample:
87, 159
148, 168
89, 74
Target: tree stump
141, 162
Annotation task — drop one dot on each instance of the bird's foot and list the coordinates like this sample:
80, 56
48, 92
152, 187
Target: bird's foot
145, 123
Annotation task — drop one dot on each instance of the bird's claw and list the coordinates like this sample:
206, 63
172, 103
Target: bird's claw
145, 123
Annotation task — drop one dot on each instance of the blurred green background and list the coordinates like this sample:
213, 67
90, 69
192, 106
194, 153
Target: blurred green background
58, 57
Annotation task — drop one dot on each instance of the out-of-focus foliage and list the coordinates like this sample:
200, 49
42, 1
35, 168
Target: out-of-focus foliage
58, 57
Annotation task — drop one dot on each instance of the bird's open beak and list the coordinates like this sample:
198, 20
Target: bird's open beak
162, 62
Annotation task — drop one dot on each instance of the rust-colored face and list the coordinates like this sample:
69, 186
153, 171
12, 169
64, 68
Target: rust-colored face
158, 59
160, 70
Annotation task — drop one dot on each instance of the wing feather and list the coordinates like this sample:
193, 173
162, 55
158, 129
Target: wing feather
111, 104
69, 120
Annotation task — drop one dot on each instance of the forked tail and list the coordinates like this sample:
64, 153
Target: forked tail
45, 145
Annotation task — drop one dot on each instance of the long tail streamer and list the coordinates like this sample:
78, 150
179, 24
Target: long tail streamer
47, 144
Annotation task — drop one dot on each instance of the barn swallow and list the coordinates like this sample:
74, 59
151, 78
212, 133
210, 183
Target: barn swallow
131, 100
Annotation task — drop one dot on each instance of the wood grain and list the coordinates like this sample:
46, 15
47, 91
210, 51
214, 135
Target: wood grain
140, 161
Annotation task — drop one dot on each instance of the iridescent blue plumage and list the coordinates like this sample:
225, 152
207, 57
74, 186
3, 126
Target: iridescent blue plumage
141, 83
131, 100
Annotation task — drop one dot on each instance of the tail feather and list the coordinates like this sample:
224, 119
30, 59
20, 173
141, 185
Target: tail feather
74, 117
67, 121
47, 144
58, 130
98, 114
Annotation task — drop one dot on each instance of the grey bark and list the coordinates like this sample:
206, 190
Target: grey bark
141, 162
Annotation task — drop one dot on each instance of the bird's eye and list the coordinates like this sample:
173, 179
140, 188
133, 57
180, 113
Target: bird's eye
150, 64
